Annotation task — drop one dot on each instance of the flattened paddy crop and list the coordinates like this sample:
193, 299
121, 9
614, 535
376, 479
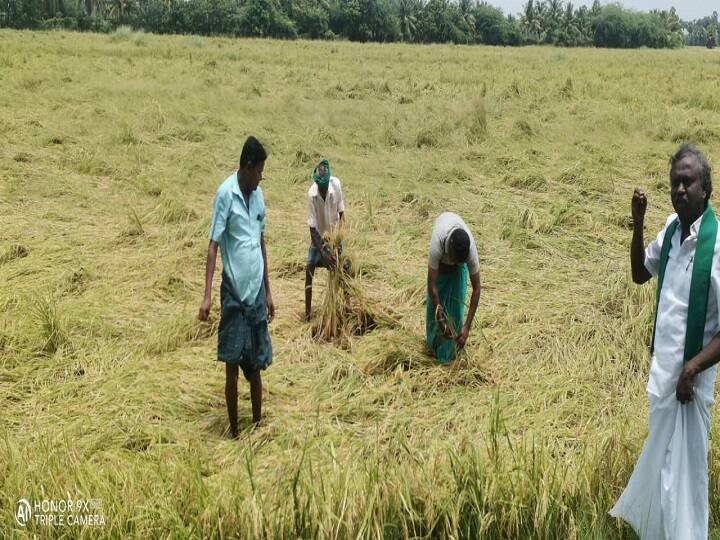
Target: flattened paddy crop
110, 152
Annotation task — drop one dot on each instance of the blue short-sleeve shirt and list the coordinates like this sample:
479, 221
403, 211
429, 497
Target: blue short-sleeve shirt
238, 230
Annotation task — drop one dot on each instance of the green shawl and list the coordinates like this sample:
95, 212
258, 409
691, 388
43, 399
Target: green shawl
699, 282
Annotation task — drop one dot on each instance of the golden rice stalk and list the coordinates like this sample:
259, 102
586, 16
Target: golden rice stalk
346, 311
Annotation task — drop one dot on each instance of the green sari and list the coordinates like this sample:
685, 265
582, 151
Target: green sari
452, 291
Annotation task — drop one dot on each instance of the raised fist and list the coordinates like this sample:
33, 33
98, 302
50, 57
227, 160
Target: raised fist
639, 205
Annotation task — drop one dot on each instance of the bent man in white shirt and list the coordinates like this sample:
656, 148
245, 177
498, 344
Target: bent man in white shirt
667, 495
326, 209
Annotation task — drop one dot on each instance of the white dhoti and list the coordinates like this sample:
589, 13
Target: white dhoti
667, 495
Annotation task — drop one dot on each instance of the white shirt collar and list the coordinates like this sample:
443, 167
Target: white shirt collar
694, 228
315, 190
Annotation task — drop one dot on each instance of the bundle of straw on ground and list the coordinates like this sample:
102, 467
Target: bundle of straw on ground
346, 310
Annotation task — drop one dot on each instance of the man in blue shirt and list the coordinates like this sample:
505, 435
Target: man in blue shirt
246, 305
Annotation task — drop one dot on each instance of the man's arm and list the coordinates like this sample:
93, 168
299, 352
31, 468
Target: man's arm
266, 281
341, 203
317, 241
705, 359
640, 274
435, 300
209, 271
315, 237
474, 299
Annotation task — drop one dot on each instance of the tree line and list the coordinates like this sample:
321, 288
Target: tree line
550, 22
703, 31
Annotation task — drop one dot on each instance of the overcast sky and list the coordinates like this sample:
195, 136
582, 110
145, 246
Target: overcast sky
687, 9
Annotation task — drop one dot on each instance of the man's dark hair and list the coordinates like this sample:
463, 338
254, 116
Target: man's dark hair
252, 153
686, 150
459, 245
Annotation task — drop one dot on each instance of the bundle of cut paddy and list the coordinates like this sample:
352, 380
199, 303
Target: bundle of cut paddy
346, 310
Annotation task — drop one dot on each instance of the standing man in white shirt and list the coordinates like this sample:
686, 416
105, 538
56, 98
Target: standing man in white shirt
452, 255
667, 495
326, 209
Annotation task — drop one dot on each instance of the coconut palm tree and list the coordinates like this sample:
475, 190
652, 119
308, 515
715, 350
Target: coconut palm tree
407, 16
93, 7
466, 13
117, 9
531, 20
555, 8
53, 7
